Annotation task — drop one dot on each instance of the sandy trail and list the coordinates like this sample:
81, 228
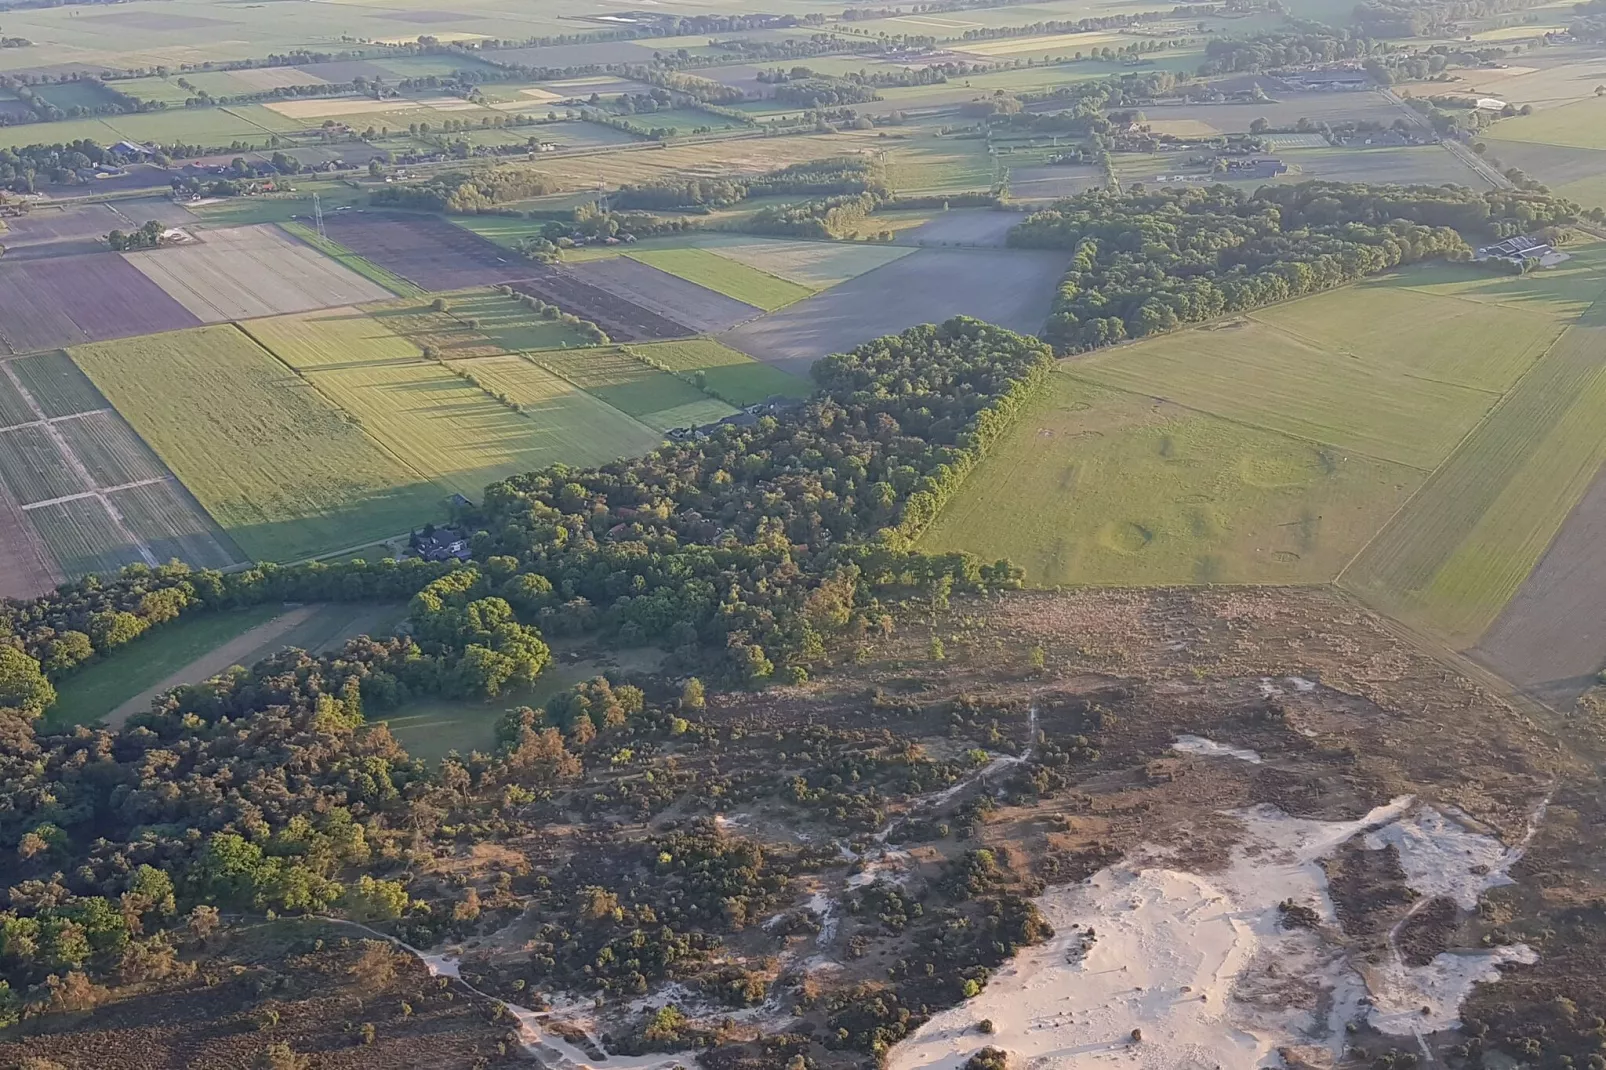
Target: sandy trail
209, 665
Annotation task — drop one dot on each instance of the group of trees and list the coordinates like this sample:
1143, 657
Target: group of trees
1310, 44
463, 192
845, 175
1589, 21
823, 92
1150, 261
148, 236
1419, 18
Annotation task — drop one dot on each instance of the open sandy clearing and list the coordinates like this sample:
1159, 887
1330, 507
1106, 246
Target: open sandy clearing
248, 272
204, 668
1156, 968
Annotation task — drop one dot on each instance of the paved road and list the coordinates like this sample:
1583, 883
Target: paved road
1455, 147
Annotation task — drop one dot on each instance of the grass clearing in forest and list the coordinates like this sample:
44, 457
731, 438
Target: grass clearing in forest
726, 372
96, 689
1103, 486
725, 275
283, 471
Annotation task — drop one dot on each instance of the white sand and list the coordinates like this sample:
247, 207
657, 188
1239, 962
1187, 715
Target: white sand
1209, 748
1203, 966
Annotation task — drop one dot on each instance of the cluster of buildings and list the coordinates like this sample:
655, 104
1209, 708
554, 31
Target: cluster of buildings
747, 417
1522, 252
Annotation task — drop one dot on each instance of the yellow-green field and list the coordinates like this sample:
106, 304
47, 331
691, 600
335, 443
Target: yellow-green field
475, 323
613, 376
280, 468
331, 338
1101, 486
726, 372
727, 276
579, 428
1581, 125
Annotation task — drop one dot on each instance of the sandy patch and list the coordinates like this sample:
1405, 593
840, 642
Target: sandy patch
1202, 967
1209, 748
540, 96
209, 665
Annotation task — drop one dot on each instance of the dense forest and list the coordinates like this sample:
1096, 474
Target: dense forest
1418, 18
1151, 261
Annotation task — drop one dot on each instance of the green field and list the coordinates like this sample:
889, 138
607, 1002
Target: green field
433, 728
1100, 486
500, 324
656, 398
358, 264
97, 689
281, 469
723, 275
1394, 373
278, 208
927, 163
1580, 126
1275, 447
728, 373
1461, 547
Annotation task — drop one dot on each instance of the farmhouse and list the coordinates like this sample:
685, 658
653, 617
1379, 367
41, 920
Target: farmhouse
1522, 252
439, 544
1258, 167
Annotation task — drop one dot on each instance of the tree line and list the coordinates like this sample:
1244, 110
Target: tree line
1147, 261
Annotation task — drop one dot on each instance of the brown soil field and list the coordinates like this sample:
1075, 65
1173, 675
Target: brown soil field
621, 320
964, 226
74, 299
1012, 288
698, 307
1051, 182
428, 251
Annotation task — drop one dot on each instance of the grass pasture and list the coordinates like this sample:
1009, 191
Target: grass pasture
1581, 125
1102, 486
727, 372
1395, 374
730, 277
282, 470
1461, 547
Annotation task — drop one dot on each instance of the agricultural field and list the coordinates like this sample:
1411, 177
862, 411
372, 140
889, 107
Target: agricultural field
724, 372
817, 265
1548, 78
426, 251
1009, 287
1580, 125
698, 308
928, 164
281, 469
475, 323
72, 299
730, 277
331, 339
247, 272
1102, 486
575, 417
349, 260
656, 398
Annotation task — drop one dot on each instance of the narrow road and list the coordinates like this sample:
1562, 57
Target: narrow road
1450, 144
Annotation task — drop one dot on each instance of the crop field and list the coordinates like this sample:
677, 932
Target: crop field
14, 408
1103, 486
572, 425
427, 251
622, 320
282, 470
55, 384
32, 467
109, 450
27, 568
331, 339
964, 226
349, 260
1459, 550
1547, 79
1392, 373
1581, 125
247, 272
736, 155
475, 323
73, 299
928, 164
83, 537
173, 525
1408, 165
697, 307
654, 397
730, 277
1011, 288
726, 372
438, 424
1051, 182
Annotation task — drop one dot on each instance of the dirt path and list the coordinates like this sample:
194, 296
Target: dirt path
214, 662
